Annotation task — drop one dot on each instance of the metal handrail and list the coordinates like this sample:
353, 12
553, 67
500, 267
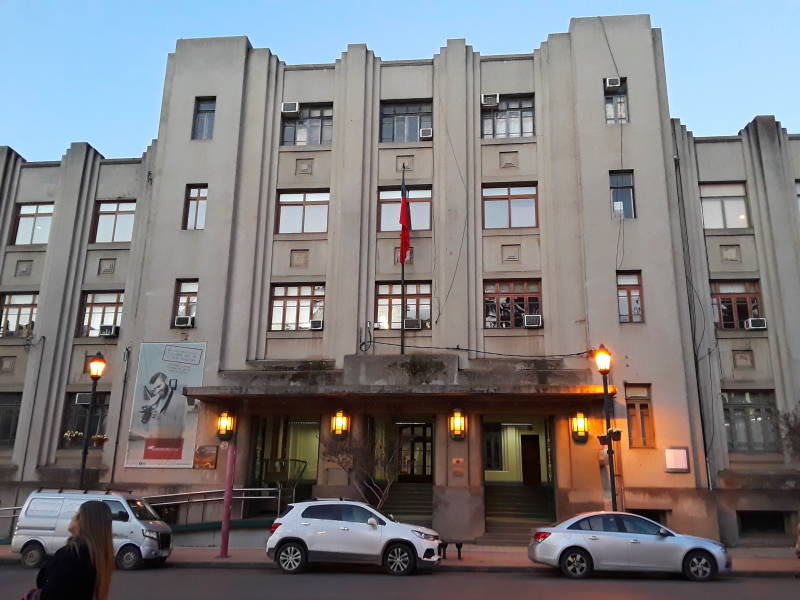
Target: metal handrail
188, 498
11, 516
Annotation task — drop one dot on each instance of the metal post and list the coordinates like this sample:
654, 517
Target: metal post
85, 453
402, 308
228, 500
610, 442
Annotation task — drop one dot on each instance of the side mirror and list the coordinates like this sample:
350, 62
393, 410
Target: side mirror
663, 532
391, 516
372, 522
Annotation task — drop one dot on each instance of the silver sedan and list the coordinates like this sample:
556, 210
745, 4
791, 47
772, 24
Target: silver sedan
617, 541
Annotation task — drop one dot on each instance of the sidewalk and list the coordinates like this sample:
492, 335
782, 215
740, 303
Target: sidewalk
747, 562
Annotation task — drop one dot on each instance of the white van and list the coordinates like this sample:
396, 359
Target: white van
138, 533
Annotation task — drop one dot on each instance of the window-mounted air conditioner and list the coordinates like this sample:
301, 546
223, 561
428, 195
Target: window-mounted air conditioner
612, 83
412, 324
184, 322
532, 321
426, 133
83, 398
489, 100
755, 323
109, 331
290, 109
316, 325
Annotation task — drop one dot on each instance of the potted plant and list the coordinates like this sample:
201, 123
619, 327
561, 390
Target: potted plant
98, 439
73, 437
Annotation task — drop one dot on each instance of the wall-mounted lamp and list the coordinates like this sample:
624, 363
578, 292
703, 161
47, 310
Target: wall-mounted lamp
340, 425
226, 425
580, 428
458, 425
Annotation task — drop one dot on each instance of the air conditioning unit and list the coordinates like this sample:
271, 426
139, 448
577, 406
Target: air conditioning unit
290, 109
612, 83
184, 322
755, 323
490, 100
83, 398
316, 324
412, 324
426, 133
109, 331
532, 321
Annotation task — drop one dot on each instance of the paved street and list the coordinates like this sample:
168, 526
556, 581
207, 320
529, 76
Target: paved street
330, 583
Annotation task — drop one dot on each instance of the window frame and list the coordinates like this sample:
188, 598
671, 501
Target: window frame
384, 201
416, 297
612, 96
200, 112
323, 121
705, 200
188, 200
628, 288
34, 311
751, 298
180, 294
9, 401
508, 198
118, 308
494, 111
493, 456
631, 187
525, 293
35, 216
77, 422
406, 104
98, 212
645, 423
313, 298
303, 203
765, 411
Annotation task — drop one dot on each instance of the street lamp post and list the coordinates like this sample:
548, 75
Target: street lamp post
96, 368
602, 358
226, 430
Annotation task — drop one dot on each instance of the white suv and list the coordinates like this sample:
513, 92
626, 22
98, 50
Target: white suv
347, 531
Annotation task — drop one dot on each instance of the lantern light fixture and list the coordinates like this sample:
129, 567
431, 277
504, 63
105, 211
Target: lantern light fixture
226, 425
340, 425
602, 358
458, 425
97, 366
580, 428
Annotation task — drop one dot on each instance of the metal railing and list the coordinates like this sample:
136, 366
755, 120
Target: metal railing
14, 513
202, 498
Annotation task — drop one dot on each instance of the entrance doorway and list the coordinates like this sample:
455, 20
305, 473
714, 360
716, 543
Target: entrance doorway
416, 452
531, 460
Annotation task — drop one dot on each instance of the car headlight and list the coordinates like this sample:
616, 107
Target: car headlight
153, 535
423, 535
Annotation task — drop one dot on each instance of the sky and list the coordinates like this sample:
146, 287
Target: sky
93, 71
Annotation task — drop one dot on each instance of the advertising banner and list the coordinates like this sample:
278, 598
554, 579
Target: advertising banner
163, 421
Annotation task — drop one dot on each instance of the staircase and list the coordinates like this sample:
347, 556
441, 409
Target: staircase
410, 502
512, 511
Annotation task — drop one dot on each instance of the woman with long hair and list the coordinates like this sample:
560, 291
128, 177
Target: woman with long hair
82, 569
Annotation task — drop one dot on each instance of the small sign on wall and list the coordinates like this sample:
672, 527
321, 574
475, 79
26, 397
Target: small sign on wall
676, 460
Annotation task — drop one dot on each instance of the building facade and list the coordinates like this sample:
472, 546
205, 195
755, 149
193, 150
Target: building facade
249, 262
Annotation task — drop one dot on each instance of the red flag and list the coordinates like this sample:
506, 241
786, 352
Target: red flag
405, 221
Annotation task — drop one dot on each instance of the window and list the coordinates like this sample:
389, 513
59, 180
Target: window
724, 206
493, 447
75, 416
328, 512
505, 207
100, 308
295, 306
419, 204
751, 421
633, 524
511, 118
114, 221
597, 523
356, 514
640, 418
18, 314
389, 299
118, 512
33, 223
203, 124
313, 126
617, 102
194, 206
734, 302
186, 297
761, 522
797, 193
9, 416
505, 303
629, 297
623, 203
401, 122
303, 212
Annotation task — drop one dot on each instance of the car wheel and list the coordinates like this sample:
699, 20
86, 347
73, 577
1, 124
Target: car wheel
576, 563
291, 558
399, 560
33, 555
699, 565
129, 558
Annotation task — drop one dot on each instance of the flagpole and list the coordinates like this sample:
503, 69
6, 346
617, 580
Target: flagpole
402, 275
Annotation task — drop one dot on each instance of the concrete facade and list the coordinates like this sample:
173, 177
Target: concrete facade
574, 252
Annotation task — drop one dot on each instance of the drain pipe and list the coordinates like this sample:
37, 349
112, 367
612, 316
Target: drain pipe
126, 355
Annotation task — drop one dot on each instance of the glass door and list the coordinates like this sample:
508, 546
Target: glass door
416, 452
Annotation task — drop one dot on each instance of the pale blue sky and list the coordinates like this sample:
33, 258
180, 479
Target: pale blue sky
94, 71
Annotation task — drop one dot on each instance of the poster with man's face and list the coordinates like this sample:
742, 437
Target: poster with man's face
163, 421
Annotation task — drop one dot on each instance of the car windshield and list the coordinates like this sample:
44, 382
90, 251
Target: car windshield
142, 511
